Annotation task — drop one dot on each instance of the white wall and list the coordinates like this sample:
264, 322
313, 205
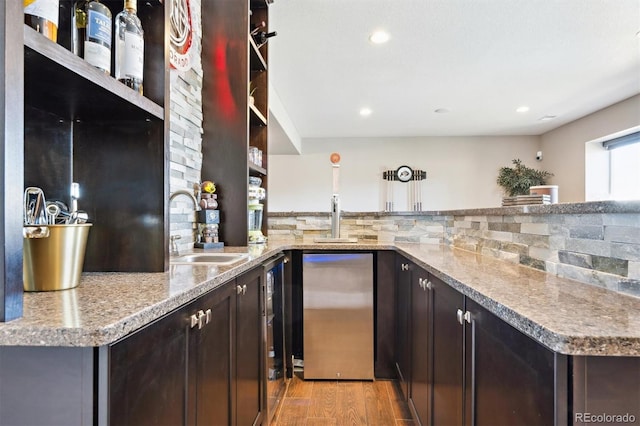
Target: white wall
461, 171
564, 148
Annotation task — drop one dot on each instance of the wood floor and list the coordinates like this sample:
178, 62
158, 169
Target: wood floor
320, 402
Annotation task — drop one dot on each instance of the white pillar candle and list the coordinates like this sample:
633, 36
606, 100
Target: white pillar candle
336, 178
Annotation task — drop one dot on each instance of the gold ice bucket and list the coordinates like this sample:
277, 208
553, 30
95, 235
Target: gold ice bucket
53, 256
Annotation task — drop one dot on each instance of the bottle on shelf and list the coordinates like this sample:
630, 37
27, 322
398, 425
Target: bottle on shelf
42, 16
129, 56
261, 37
257, 27
78, 26
91, 33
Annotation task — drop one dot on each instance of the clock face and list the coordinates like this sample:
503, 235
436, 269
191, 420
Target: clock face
404, 173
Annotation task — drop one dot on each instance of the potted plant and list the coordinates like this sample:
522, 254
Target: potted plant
518, 179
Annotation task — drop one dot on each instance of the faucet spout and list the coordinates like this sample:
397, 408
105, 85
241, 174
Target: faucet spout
335, 216
196, 206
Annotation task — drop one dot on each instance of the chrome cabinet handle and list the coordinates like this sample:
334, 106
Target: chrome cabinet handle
404, 267
193, 320
244, 289
208, 316
199, 318
463, 316
239, 289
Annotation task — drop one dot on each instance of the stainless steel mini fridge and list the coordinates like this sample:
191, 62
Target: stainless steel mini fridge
337, 299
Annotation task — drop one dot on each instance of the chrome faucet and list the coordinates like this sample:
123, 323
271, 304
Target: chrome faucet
173, 247
196, 204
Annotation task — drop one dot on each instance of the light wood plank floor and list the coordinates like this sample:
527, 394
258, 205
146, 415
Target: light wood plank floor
338, 403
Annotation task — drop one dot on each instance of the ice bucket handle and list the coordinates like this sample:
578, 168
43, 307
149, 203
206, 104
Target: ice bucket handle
35, 232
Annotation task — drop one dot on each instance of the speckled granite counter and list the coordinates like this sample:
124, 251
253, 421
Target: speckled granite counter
589, 207
567, 316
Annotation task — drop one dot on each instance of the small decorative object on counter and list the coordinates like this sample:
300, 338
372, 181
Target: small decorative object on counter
129, 56
42, 16
208, 217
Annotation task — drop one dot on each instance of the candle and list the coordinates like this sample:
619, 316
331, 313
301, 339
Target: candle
336, 178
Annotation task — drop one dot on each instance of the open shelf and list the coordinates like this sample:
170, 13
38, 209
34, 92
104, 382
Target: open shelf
257, 119
255, 170
256, 61
64, 84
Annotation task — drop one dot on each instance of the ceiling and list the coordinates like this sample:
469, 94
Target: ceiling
480, 59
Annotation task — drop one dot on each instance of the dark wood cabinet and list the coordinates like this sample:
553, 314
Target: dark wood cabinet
403, 323
200, 365
249, 401
448, 355
460, 364
147, 383
211, 363
513, 378
421, 346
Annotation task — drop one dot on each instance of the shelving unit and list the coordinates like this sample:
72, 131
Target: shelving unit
64, 121
231, 124
259, 78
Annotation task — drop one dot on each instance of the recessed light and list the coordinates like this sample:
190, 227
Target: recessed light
379, 37
365, 112
547, 117
442, 110
523, 108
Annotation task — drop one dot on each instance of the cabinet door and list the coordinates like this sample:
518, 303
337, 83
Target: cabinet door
512, 376
249, 348
210, 359
421, 347
147, 374
403, 325
448, 355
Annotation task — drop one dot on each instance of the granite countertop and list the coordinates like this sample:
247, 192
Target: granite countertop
566, 316
560, 208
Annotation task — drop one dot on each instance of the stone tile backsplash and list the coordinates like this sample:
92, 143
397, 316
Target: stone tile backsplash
601, 249
185, 136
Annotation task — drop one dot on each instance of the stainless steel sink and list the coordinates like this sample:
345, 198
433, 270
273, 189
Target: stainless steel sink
210, 258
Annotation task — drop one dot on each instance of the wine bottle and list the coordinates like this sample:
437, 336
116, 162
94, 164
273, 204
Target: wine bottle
97, 41
257, 27
129, 47
79, 26
42, 16
262, 37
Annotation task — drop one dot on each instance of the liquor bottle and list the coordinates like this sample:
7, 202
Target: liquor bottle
262, 37
42, 16
79, 26
129, 47
97, 37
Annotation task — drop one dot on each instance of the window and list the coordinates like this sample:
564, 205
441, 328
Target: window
612, 167
625, 171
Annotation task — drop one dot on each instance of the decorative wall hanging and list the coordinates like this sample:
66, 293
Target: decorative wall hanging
404, 174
